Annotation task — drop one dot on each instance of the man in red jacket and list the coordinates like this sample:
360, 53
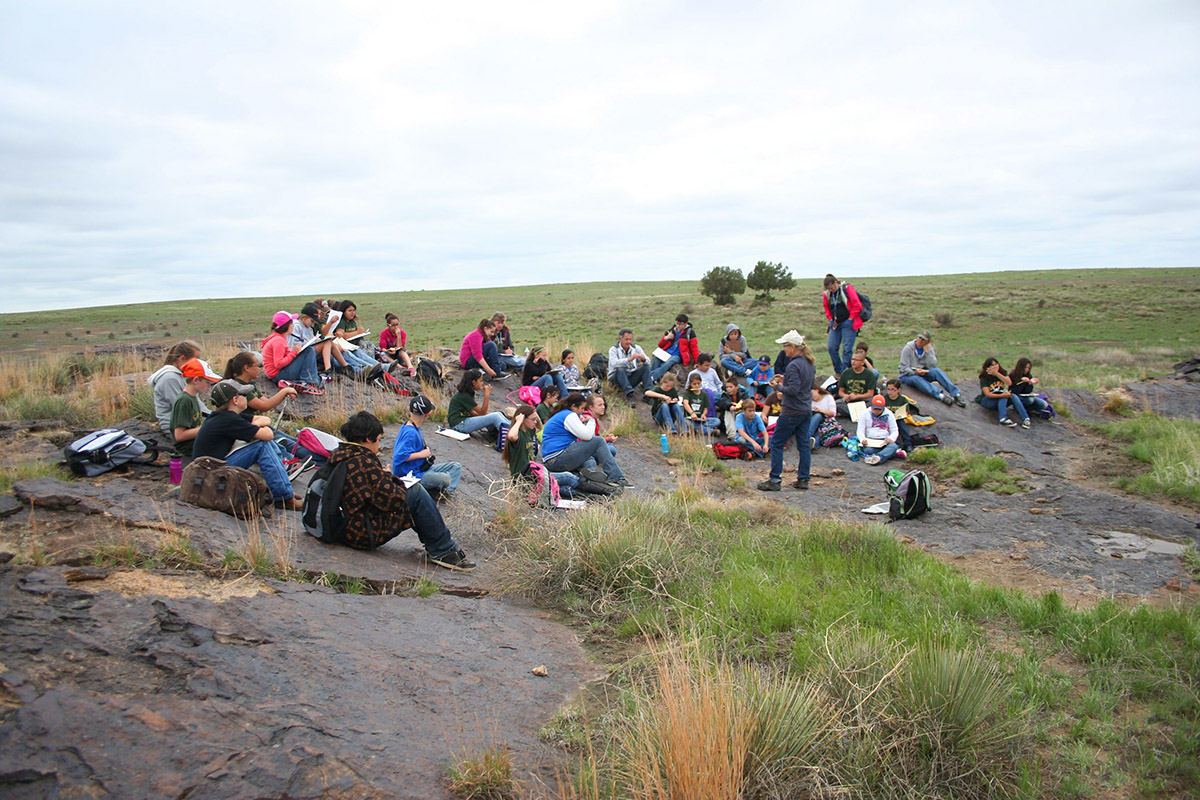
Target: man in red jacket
681, 345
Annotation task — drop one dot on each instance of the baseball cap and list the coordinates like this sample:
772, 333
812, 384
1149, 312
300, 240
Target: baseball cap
311, 310
195, 368
225, 391
791, 337
421, 405
282, 318
764, 360
926, 335
878, 401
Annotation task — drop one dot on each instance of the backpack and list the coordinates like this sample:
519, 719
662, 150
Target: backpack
723, 450
597, 367
866, 312
908, 493
544, 492
322, 515
211, 483
430, 372
389, 382
106, 449
925, 440
830, 433
530, 394
853, 448
319, 442
1045, 413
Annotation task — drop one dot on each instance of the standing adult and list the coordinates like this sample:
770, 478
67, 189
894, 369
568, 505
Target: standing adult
843, 309
795, 414
680, 344
628, 365
919, 369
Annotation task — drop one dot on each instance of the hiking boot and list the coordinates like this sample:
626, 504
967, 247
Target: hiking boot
1008, 423
622, 482
872, 460
958, 401
292, 503
801, 484
454, 559
769, 486
1025, 423
901, 454
947, 399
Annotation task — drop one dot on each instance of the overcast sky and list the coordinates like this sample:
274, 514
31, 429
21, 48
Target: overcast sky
162, 150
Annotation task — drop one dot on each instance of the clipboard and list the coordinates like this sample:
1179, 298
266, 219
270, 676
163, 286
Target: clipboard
856, 409
660, 354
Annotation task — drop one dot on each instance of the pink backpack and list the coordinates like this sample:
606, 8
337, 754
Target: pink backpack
544, 491
530, 394
319, 442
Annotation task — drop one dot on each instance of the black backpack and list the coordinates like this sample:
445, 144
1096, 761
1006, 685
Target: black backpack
106, 449
322, 515
909, 493
597, 367
430, 372
865, 314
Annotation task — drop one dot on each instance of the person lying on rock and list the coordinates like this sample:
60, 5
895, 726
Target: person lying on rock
226, 425
377, 505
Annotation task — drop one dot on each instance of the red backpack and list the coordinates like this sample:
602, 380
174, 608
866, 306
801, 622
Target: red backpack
726, 451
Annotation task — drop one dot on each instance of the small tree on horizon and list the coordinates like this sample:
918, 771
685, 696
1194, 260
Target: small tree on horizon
767, 277
721, 284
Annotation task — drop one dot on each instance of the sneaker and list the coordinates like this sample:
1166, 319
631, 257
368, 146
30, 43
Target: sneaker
812, 443
947, 399
622, 481
326, 377
1025, 423
901, 454
958, 401
308, 388
1008, 423
801, 484
769, 486
286, 385
872, 460
455, 559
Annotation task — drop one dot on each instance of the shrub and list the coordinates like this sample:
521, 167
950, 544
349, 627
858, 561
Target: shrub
484, 774
767, 277
721, 284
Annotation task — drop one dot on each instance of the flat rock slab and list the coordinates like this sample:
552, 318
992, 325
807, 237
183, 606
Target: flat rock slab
293, 692
1167, 397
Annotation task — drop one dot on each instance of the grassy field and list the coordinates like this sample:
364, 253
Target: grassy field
1083, 328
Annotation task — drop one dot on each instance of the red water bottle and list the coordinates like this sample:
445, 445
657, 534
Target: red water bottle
176, 470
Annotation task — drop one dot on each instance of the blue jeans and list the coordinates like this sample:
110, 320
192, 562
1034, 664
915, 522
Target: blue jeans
577, 454
884, 453
302, 368
443, 477
472, 424
1032, 402
817, 419
568, 482
661, 367
704, 426
740, 369
511, 361
552, 378
358, 360
427, 521
905, 437
670, 416
625, 379
746, 439
1001, 404
787, 428
491, 354
266, 455
841, 335
923, 384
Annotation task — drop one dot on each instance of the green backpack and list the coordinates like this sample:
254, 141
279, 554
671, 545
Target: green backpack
908, 493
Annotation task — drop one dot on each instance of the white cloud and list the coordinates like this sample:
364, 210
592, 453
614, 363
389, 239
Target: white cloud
323, 147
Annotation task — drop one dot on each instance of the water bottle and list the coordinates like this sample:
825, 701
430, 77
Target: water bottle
662, 441
176, 470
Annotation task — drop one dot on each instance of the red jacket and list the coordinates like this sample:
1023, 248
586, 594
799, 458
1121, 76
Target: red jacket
853, 304
276, 354
689, 346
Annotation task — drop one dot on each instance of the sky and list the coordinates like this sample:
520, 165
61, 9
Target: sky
168, 150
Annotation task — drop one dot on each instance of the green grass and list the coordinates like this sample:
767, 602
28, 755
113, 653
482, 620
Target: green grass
20, 472
972, 470
1170, 446
1106, 326
766, 587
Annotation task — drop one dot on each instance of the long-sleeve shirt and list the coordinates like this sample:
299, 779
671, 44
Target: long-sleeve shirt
619, 358
877, 426
276, 354
472, 347
911, 360
797, 388
562, 430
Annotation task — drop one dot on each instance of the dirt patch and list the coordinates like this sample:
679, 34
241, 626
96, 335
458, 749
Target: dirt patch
1008, 570
137, 583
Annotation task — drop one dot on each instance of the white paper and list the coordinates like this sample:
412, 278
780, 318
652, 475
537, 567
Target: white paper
408, 480
312, 341
869, 442
857, 409
332, 321
565, 503
345, 344
453, 434
660, 354
358, 336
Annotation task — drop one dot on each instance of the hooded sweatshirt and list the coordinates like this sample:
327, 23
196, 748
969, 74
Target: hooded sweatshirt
739, 346
168, 383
